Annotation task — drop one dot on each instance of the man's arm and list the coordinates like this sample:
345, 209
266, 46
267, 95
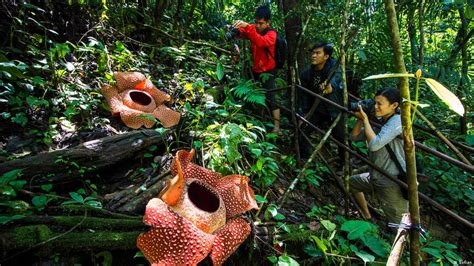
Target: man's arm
267, 40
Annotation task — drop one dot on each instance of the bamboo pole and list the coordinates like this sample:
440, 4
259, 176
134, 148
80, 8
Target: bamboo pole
399, 242
443, 138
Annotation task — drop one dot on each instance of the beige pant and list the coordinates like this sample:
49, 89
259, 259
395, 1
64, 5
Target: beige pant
391, 199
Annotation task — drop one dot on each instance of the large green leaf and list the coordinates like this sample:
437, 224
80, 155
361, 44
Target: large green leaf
390, 75
377, 245
220, 71
10, 176
356, 229
446, 96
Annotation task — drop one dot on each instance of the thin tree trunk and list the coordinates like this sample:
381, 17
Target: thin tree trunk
464, 82
189, 18
292, 30
422, 33
159, 10
412, 33
345, 95
409, 142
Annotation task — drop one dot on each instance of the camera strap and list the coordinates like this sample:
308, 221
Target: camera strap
392, 154
394, 158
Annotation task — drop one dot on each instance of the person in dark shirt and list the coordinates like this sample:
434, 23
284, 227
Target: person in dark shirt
315, 78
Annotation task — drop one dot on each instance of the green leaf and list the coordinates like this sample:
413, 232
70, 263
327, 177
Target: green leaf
272, 259
17, 205
313, 180
319, 243
330, 226
446, 96
287, 261
47, 187
39, 201
366, 257
10, 176
375, 244
389, 75
272, 210
312, 251
284, 226
356, 228
6, 219
139, 254
6, 190
17, 184
433, 252
279, 217
75, 196
260, 199
219, 71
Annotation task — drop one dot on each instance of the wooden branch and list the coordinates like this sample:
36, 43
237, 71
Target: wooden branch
90, 156
134, 200
399, 242
213, 46
308, 163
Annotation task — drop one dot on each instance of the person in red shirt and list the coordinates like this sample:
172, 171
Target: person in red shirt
263, 41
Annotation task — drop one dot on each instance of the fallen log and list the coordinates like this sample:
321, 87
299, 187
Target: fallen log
88, 157
44, 240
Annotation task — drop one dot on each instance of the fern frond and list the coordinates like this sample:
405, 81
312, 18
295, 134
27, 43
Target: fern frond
249, 92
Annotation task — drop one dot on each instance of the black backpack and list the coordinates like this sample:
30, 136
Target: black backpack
281, 49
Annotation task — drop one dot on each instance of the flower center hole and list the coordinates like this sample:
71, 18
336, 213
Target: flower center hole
202, 197
140, 97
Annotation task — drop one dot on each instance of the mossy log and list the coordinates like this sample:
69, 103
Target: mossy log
88, 157
45, 235
45, 241
85, 223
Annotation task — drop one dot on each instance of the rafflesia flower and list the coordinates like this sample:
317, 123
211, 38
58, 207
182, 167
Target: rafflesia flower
136, 99
197, 214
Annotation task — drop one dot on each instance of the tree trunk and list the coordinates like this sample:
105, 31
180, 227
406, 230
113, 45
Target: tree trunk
464, 82
88, 157
412, 33
422, 33
409, 143
292, 29
161, 5
345, 95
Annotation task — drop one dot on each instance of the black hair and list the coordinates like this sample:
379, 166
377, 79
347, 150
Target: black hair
328, 48
392, 95
263, 12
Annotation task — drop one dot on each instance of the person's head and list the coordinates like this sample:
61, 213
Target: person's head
387, 100
262, 18
320, 53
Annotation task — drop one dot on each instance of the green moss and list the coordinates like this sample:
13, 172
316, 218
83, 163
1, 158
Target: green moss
27, 236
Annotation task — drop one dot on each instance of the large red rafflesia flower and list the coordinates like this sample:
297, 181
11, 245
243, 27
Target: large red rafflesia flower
196, 215
134, 97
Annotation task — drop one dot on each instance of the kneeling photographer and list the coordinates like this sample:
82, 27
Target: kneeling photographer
389, 193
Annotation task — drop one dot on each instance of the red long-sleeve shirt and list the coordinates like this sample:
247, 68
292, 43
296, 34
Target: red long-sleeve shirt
263, 48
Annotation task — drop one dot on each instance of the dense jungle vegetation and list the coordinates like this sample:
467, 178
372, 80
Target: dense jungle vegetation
74, 180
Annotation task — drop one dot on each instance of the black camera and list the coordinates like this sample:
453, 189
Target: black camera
368, 105
231, 32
